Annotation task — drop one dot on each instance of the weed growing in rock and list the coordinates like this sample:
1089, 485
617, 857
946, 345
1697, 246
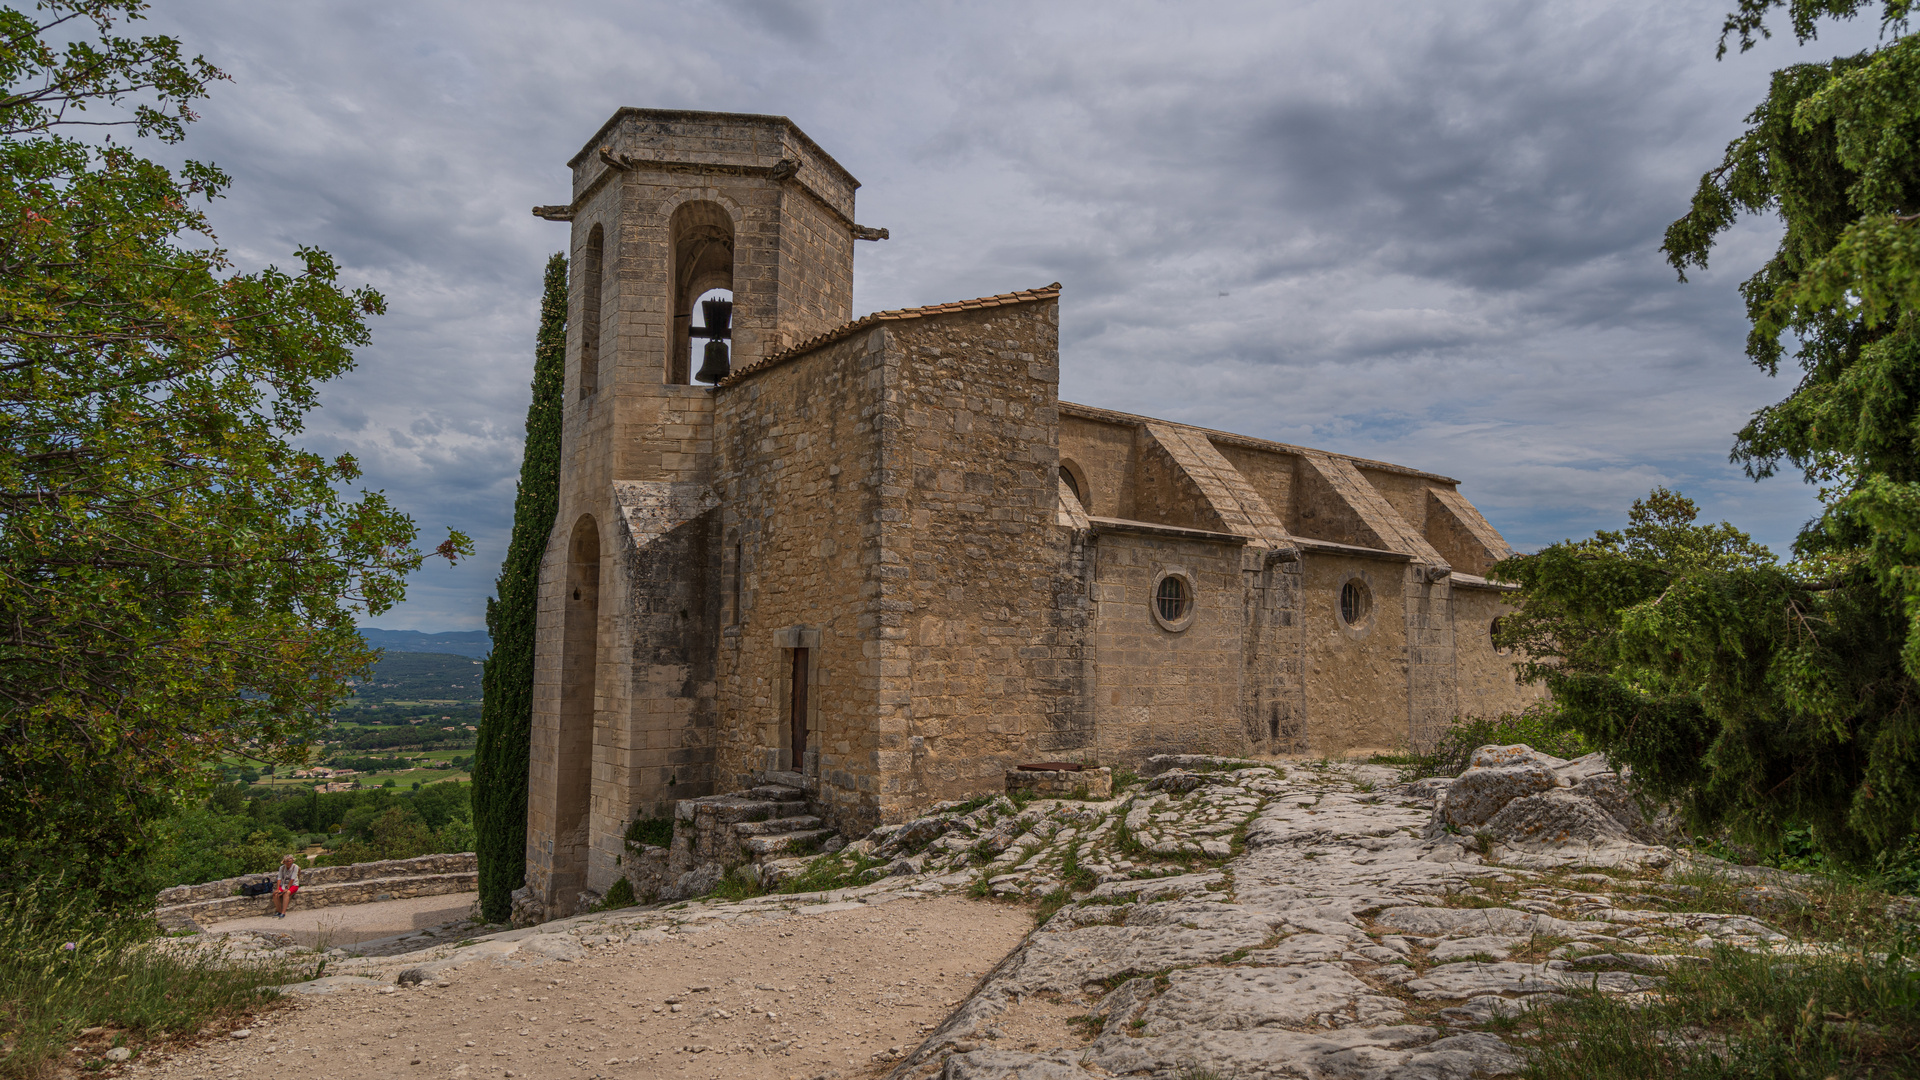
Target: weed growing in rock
837, 871
619, 895
1050, 905
741, 883
1077, 878
650, 832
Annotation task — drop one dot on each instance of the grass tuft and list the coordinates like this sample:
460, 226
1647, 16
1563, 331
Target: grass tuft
1844, 1013
65, 968
740, 883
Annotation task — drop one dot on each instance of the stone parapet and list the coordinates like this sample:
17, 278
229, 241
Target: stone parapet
465, 862
319, 896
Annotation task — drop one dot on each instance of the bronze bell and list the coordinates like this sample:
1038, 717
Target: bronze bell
716, 365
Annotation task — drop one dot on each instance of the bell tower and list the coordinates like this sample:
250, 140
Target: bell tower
667, 206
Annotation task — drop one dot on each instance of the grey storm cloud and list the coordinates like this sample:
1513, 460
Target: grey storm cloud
1424, 233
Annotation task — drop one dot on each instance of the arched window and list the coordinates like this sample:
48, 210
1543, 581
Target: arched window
1071, 473
702, 235
592, 261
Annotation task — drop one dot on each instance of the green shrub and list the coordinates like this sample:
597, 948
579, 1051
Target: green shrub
506, 719
1537, 727
619, 895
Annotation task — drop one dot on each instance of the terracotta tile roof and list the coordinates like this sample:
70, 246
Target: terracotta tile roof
1025, 296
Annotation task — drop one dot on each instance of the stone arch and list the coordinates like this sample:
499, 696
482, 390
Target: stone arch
701, 238
579, 683
592, 280
1076, 478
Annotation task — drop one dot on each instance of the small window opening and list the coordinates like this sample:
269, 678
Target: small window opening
1354, 603
593, 278
739, 571
1073, 486
1173, 598
1493, 635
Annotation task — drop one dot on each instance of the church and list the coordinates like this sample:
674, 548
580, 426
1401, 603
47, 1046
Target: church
880, 559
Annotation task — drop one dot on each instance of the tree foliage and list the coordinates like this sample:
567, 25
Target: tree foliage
506, 718
1766, 697
1757, 699
177, 581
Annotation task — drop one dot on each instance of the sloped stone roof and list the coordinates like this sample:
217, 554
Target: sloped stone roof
1025, 296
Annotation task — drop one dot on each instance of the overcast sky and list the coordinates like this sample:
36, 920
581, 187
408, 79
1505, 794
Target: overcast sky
1420, 232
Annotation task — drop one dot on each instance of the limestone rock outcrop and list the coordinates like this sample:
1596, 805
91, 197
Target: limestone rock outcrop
1544, 809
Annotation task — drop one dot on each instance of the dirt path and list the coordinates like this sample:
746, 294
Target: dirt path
781, 994
348, 924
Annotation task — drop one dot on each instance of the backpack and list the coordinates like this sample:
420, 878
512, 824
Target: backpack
258, 888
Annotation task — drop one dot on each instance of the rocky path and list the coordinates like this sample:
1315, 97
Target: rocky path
1349, 937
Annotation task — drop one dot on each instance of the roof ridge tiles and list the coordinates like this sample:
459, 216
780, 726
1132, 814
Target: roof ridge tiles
1024, 296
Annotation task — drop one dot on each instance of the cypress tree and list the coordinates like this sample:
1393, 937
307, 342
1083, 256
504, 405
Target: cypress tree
506, 715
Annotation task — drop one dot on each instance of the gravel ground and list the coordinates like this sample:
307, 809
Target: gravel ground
775, 994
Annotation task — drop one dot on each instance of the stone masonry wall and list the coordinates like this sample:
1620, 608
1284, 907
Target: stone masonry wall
1103, 452
1356, 680
1485, 679
1161, 691
983, 609
1270, 473
800, 481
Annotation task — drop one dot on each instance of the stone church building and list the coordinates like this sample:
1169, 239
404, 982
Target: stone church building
883, 555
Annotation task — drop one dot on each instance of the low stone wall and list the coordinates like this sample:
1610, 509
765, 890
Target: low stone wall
323, 886
459, 863
1063, 784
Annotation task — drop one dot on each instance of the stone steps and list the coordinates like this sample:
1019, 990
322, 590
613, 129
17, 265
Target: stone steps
761, 848
777, 825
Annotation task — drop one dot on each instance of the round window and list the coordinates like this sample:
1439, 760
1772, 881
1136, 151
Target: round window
1173, 600
1356, 604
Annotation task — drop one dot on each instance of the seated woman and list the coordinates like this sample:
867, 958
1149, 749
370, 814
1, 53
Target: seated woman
285, 886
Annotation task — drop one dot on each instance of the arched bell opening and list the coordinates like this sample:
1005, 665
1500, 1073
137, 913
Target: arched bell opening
579, 681
702, 235
713, 324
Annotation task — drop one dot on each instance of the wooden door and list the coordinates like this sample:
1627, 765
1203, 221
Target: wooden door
797, 708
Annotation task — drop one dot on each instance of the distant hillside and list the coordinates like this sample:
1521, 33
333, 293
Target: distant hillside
471, 643
421, 676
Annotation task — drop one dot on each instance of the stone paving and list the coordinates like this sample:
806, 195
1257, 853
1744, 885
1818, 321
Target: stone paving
1343, 935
